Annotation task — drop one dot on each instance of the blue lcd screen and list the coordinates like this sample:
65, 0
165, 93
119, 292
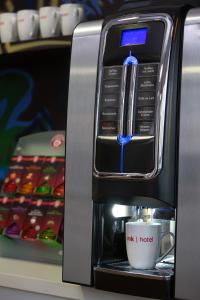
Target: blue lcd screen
133, 37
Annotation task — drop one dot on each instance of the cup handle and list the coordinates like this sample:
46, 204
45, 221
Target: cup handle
80, 14
77, 14
170, 249
33, 19
56, 17
12, 31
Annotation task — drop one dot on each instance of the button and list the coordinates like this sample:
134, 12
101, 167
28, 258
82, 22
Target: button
147, 83
111, 86
112, 72
145, 113
144, 128
108, 128
145, 98
147, 69
110, 114
110, 100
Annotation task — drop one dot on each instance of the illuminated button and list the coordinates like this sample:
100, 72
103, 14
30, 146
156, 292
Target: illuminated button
145, 113
112, 72
145, 98
111, 86
147, 83
148, 69
110, 114
108, 128
144, 128
110, 100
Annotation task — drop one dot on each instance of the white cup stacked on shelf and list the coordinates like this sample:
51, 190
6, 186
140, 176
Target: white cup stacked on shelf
27, 24
71, 15
51, 20
8, 27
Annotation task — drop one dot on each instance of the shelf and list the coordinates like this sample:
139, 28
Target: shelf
35, 45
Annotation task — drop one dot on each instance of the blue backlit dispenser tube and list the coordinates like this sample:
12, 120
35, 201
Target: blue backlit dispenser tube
123, 139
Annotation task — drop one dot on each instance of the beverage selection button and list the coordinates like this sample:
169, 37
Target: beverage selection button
145, 113
108, 128
110, 100
147, 69
147, 83
111, 86
112, 72
145, 98
144, 128
109, 113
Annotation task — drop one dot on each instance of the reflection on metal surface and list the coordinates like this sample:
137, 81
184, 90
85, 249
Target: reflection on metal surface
193, 17
188, 221
84, 29
79, 154
131, 101
122, 102
191, 70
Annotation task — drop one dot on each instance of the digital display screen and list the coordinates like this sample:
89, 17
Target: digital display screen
132, 37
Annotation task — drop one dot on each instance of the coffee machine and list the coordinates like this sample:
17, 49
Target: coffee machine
132, 147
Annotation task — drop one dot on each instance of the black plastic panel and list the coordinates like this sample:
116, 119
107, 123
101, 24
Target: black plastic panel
139, 156
108, 156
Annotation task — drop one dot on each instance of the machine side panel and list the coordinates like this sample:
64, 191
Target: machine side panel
188, 218
79, 154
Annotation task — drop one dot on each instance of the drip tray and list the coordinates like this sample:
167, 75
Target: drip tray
120, 277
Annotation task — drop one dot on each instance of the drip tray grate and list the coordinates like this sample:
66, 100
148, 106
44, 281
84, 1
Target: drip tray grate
163, 270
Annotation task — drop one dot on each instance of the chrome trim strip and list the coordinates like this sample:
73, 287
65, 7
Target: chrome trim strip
131, 101
188, 222
162, 275
77, 262
122, 100
135, 138
161, 90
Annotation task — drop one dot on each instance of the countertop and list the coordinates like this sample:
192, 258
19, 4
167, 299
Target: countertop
47, 279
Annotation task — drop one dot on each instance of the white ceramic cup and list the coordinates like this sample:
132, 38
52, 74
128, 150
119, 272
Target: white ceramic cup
49, 21
8, 27
71, 15
27, 24
143, 242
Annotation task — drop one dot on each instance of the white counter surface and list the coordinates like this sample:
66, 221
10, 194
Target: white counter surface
36, 277
47, 279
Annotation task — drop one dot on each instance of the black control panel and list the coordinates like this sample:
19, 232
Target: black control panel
111, 100
128, 103
145, 99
